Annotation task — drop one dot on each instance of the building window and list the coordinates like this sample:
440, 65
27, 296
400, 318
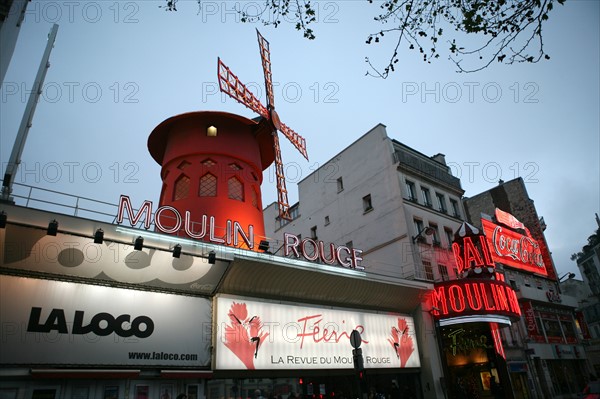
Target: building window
441, 202
340, 184
183, 165
436, 235
313, 232
208, 162
418, 226
410, 191
182, 188
443, 269
235, 166
208, 186
254, 198
326, 220
449, 236
428, 270
455, 211
235, 189
426, 196
367, 206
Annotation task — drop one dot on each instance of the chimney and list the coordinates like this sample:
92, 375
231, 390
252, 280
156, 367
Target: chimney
441, 158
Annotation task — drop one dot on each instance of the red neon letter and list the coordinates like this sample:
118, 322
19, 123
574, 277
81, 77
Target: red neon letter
315, 254
189, 231
343, 262
125, 205
484, 294
293, 245
456, 298
472, 304
331, 260
471, 253
459, 262
438, 297
486, 251
159, 224
501, 302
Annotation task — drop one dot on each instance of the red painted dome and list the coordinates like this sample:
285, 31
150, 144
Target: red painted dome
213, 175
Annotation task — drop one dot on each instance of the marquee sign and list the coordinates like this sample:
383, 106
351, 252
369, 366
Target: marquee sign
474, 297
233, 234
55, 323
514, 249
257, 335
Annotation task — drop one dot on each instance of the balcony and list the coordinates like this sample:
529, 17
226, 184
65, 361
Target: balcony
427, 168
534, 294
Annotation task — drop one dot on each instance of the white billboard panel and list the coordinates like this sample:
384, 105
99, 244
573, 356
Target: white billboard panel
257, 335
57, 322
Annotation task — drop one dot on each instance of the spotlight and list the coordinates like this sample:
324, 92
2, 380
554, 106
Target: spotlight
212, 257
177, 251
2, 219
52, 228
263, 246
139, 243
99, 236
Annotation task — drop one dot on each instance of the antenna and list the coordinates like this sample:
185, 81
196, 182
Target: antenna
17, 151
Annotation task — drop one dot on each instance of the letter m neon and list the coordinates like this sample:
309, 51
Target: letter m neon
438, 297
125, 205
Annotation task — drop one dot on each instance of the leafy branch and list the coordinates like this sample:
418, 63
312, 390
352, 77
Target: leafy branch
508, 31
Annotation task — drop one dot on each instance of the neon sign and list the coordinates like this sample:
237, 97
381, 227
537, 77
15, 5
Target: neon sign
205, 230
474, 297
233, 234
312, 250
468, 256
514, 249
461, 342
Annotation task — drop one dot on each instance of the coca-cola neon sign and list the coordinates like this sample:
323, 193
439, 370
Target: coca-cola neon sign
514, 249
471, 297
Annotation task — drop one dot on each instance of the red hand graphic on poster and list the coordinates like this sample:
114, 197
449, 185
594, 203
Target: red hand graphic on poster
401, 342
244, 335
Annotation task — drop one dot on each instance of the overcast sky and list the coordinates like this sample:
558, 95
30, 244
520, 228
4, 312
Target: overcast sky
118, 69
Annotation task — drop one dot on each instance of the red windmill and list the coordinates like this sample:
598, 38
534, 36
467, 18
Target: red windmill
230, 84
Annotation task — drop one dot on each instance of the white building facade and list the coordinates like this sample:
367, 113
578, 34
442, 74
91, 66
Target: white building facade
396, 205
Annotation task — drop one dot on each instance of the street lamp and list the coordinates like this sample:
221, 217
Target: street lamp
427, 230
569, 275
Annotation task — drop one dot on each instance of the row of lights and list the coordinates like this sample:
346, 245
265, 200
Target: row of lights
139, 244
52, 230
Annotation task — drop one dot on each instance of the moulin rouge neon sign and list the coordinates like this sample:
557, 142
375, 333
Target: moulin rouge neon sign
467, 256
474, 297
235, 235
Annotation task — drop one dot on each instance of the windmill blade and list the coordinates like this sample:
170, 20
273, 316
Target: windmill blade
231, 85
282, 197
298, 141
265, 55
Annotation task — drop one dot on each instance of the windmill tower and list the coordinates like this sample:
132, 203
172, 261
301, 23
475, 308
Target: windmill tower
212, 162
